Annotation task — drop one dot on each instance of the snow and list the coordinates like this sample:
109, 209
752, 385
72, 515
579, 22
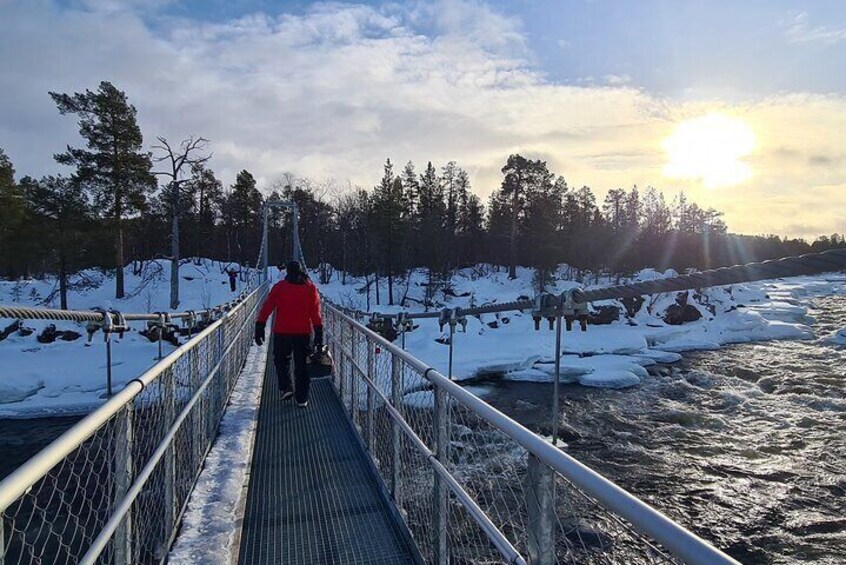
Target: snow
69, 377
605, 356
211, 522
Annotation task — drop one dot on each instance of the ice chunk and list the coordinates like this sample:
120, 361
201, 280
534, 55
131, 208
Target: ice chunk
839, 338
659, 356
610, 378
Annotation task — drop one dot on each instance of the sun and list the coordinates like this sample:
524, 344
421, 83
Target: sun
710, 148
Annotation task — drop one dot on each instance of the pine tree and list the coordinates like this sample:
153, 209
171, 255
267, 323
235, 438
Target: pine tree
207, 192
389, 203
243, 217
113, 167
12, 216
431, 218
62, 213
514, 188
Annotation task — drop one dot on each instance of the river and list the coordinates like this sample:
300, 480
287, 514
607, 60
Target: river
746, 445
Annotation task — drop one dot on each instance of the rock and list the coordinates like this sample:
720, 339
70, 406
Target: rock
677, 314
384, 329
632, 305
604, 315
25, 331
48, 335
69, 335
493, 325
10, 329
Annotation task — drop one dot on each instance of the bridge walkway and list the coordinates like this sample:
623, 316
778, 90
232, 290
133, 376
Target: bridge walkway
313, 494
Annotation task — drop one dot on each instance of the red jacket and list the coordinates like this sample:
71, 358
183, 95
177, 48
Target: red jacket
297, 308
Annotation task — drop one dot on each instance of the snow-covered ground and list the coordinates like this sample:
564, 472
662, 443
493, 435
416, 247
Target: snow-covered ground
606, 355
70, 377
62, 377
212, 520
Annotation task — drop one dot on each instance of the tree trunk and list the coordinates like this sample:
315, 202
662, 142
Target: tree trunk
119, 289
512, 259
63, 279
174, 264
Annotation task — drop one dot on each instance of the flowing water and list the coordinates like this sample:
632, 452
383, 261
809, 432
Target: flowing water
746, 445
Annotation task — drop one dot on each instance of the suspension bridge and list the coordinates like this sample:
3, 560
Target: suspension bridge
360, 476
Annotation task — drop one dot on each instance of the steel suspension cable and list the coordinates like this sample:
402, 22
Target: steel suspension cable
808, 264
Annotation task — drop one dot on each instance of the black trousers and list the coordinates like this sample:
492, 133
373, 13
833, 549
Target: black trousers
285, 347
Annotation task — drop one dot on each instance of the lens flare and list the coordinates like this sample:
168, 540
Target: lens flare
710, 149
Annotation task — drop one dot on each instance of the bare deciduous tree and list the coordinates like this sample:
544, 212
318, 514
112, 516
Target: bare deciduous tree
191, 152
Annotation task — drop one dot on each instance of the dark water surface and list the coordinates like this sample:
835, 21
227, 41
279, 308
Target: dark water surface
746, 446
21, 439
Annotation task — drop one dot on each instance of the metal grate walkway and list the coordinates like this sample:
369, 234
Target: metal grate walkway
313, 497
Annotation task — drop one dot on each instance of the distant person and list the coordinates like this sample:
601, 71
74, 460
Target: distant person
297, 306
233, 274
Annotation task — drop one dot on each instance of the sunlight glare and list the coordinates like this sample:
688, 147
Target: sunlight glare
710, 148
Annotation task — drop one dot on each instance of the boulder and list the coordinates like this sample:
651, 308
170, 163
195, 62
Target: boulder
10, 329
604, 315
632, 305
677, 314
69, 335
48, 334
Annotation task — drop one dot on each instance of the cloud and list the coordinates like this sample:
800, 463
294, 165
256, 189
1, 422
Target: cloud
798, 30
333, 91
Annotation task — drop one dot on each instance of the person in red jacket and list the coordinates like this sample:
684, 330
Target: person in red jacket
297, 306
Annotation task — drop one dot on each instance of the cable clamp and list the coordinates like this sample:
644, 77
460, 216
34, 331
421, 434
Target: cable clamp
573, 310
119, 324
546, 305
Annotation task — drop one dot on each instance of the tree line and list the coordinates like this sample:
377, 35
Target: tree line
121, 204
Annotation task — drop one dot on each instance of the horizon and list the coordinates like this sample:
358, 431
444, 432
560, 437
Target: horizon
751, 125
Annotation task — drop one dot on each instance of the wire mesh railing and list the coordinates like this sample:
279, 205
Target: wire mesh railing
113, 488
476, 487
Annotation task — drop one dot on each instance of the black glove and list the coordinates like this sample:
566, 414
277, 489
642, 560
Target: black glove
259, 333
318, 337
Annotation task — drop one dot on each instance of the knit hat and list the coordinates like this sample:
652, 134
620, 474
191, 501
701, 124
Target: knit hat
294, 267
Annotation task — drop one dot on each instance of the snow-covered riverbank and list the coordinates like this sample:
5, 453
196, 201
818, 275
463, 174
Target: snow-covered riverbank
69, 377
613, 355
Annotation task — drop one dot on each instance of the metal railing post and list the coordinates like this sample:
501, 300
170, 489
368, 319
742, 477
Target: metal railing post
371, 366
108, 366
340, 357
396, 398
440, 493
124, 545
2, 542
197, 416
556, 386
170, 455
540, 507
355, 411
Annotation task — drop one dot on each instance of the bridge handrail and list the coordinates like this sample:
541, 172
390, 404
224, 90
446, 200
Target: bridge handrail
678, 540
124, 441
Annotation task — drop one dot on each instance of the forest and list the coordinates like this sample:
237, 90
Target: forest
120, 204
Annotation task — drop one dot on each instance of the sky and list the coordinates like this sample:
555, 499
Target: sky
740, 104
